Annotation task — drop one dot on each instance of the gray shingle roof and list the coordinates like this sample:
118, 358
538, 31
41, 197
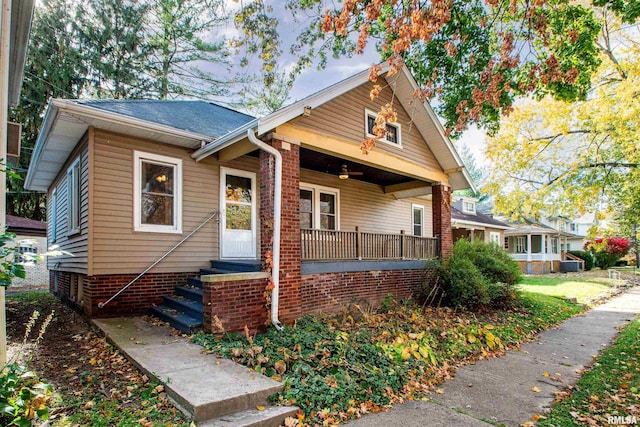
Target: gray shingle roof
201, 117
480, 218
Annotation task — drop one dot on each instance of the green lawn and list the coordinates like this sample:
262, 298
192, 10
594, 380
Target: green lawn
609, 393
584, 289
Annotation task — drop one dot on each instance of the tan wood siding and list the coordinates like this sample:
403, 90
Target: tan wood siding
117, 248
344, 117
75, 244
367, 206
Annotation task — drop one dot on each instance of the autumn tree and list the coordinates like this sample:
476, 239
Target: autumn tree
563, 157
471, 58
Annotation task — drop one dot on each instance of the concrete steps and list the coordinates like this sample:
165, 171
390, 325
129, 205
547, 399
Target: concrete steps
184, 310
215, 392
270, 417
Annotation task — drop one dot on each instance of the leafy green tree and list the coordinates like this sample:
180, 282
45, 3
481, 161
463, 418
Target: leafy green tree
260, 99
175, 39
111, 37
54, 68
478, 173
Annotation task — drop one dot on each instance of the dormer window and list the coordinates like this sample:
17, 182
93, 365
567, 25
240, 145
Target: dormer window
392, 136
468, 207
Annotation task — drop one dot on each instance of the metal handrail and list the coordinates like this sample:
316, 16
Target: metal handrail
209, 218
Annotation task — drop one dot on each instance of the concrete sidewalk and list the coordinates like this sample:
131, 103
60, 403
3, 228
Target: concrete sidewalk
500, 390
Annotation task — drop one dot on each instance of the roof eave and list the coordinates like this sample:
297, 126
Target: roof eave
21, 15
47, 124
57, 106
441, 132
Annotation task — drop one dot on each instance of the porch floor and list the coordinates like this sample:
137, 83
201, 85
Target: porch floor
202, 386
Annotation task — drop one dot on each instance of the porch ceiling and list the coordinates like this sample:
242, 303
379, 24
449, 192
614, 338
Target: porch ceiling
332, 165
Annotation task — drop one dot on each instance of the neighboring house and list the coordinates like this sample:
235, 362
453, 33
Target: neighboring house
127, 180
31, 237
574, 240
538, 248
468, 223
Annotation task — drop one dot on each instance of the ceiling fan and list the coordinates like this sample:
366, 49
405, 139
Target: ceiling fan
345, 173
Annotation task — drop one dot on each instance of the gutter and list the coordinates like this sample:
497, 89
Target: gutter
277, 213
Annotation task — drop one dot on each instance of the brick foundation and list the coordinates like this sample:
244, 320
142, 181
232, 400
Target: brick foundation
144, 293
330, 292
236, 304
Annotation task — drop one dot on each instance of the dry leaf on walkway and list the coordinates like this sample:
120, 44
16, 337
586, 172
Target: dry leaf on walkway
536, 389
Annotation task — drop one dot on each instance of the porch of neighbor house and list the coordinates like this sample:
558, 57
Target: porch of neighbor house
541, 253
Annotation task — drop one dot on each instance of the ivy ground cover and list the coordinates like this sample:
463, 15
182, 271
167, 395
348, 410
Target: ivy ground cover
361, 361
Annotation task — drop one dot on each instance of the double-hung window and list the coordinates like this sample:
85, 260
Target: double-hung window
392, 134
53, 218
417, 220
521, 244
494, 237
73, 197
157, 193
319, 207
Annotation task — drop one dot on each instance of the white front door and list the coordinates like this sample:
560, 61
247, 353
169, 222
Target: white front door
238, 208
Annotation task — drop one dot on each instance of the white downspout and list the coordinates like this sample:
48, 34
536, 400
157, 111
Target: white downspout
277, 211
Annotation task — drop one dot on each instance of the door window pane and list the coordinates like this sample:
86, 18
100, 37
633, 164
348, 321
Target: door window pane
238, 217
238, 189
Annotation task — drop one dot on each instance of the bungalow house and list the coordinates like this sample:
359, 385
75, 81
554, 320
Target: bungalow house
246, 219
538, 248
468, 223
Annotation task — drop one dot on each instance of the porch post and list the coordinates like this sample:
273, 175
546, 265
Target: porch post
290, 242
441, 209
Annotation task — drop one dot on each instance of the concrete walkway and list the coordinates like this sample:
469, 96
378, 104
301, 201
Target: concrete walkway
500, 390
213, 391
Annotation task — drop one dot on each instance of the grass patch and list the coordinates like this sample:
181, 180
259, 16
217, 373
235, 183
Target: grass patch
610, 389
584, 289
94, 384
339, 368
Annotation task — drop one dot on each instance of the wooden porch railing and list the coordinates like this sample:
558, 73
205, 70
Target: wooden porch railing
360, 245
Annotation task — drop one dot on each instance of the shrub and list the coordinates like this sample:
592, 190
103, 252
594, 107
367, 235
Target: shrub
463, 282
479, 274
607, 251
587, 257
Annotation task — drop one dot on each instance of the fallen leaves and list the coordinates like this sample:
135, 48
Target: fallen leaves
535, 389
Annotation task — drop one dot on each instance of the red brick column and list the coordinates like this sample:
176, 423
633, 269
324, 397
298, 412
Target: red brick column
290, 303
441, 207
